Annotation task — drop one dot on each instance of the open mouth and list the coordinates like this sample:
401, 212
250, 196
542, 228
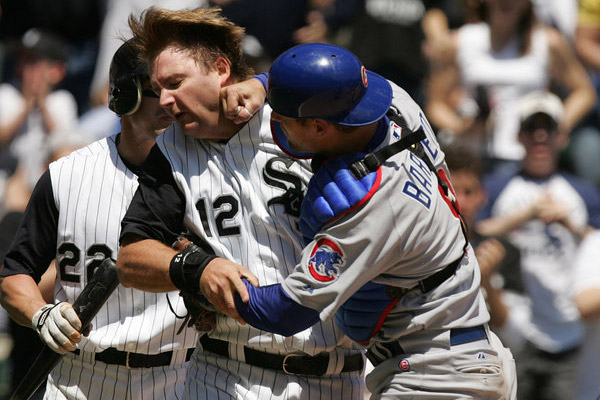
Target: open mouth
182, 117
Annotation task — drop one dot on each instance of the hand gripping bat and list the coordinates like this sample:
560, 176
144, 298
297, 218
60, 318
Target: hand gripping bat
90, 300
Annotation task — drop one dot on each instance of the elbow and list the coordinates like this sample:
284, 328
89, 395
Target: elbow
2, 294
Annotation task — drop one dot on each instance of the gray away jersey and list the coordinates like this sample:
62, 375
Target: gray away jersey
404, 233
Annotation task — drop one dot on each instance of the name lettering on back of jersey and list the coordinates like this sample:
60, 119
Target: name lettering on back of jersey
421, 185
432, 148
325, 260
283, 179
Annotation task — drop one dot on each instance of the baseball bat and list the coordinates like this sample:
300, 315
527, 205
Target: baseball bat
88, 303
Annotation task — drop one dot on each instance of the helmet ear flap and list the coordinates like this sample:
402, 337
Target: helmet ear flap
125, 95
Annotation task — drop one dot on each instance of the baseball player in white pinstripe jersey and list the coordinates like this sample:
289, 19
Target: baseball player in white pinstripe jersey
134, 349
386, 252
234, 188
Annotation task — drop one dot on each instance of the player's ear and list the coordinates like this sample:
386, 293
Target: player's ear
223, 68
321, 126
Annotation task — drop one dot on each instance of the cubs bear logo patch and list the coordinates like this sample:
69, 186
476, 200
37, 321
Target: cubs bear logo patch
325, 260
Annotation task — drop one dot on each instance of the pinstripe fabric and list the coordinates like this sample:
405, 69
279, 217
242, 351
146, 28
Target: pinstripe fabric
92, 189
212, 377
243, 197
82, 378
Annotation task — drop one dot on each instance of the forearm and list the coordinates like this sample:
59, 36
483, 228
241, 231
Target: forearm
578, 232
445, 117
500, 226
577, 105
441, 112
588, 303
47, 282
271, 309
587, 46
9, 130
435, 24
21, 298
144, 265
569, 71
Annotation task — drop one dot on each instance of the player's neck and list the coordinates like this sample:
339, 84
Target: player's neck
230, 129
352, 142
134, 146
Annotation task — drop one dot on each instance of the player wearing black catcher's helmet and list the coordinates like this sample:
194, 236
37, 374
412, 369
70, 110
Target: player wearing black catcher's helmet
126, 71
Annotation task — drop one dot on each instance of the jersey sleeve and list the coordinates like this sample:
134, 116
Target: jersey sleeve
262, 78
591, 197
34, 243
403, 233
156, 211
271, 309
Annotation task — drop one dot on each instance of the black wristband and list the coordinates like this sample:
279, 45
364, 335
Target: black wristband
187, 266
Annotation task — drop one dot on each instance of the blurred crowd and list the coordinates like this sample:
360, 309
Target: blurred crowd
510, 86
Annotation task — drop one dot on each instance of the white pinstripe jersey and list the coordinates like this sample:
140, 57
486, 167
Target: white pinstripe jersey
244, 198
92, 189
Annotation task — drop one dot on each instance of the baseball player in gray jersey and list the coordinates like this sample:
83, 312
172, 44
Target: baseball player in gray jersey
233, 187
386, 253
134, 350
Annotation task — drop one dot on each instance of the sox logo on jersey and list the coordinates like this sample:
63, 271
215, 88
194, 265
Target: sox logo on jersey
243, 197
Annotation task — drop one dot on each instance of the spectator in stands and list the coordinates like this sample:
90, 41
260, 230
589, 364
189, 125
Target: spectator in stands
32, 112
497, 61
389, 35
80, 35
544, 212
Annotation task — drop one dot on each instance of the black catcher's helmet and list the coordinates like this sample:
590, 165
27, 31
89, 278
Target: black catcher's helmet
125, 88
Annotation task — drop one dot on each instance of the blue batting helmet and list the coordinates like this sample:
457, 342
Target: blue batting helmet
319, 80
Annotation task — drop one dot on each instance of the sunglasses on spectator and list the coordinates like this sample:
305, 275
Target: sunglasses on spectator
533, 124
